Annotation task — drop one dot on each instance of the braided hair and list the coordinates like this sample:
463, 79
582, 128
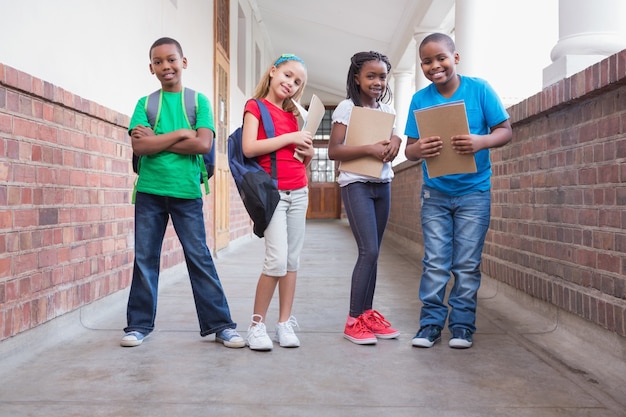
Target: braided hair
356, 64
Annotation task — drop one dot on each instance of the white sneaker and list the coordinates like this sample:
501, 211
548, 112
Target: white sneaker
257, 338
285, 335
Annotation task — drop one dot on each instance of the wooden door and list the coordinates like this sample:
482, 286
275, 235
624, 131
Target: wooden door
222, 84
324, 201
324, 193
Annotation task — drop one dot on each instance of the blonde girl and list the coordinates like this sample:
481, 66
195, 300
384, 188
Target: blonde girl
281, 85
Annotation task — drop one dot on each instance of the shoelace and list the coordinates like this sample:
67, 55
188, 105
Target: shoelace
258, 329
360, 326
291, 323
378, 318
229, 333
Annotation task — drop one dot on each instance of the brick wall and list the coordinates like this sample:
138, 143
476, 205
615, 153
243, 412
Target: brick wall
66, 221
558, 228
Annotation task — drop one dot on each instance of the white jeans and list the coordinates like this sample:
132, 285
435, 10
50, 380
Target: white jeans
284, 236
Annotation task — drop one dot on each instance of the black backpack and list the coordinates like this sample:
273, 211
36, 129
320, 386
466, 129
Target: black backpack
190, 104
258, 191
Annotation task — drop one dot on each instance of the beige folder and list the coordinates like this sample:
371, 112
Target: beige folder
367, 126
445, 121
312, 118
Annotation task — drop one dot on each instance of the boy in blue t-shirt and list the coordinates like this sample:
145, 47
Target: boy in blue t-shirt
169, 186
455, 209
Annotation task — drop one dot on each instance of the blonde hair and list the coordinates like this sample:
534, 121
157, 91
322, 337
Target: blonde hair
263, 87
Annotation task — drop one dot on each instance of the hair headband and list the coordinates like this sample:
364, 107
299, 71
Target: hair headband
289, 57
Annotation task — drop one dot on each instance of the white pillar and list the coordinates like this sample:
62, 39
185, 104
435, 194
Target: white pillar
420, 79
469, 26
589, 31
403, 89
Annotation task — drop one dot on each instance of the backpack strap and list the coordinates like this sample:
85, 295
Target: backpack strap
268, 124
153, 107
189, 102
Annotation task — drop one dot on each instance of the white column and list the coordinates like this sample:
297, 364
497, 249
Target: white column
468, 30
403, 89
420, 79
589, 31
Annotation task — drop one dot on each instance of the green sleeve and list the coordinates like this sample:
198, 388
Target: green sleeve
139, 115
204, 117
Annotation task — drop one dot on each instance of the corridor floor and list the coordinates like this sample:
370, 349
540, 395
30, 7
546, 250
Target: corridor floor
527, 360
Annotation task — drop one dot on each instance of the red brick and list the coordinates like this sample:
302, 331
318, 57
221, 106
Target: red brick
6, 122
24, 263
25, 128
6, 219
5, 271
11, 76
610, 262
47, 258
26, 218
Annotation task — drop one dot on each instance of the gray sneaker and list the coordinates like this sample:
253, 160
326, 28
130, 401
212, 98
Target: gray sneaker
285, 336
132, 339
230, 338
257, 338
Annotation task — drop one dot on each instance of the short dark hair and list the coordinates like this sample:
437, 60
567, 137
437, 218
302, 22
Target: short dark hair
166, 41
439, 37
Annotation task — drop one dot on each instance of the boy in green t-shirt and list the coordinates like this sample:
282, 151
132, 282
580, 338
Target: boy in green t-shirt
169, 186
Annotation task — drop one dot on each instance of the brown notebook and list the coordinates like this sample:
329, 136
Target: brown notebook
445, 121
367, 126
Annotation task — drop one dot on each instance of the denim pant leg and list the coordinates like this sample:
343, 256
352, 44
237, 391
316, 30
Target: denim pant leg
367, 208
211, 304
151, 219
471, 222
437, 229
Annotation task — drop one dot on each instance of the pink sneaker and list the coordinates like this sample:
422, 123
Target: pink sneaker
378, 325
357, 332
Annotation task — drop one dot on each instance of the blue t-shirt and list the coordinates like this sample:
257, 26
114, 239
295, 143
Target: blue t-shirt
484, 110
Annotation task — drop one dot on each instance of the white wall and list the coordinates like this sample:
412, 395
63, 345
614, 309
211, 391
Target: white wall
99, 49
255, 35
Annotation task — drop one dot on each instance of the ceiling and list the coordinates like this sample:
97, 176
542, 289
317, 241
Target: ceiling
326, 33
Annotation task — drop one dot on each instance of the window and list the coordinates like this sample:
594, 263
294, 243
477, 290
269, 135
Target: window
222, 28
322, 168
323, 132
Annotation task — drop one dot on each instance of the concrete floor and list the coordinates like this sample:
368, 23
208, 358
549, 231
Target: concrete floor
528, 360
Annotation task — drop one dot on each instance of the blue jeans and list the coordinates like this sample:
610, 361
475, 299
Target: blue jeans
454, 230
152, 213
367, 207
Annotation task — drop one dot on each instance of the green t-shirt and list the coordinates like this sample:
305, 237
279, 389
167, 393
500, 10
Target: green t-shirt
167, 173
